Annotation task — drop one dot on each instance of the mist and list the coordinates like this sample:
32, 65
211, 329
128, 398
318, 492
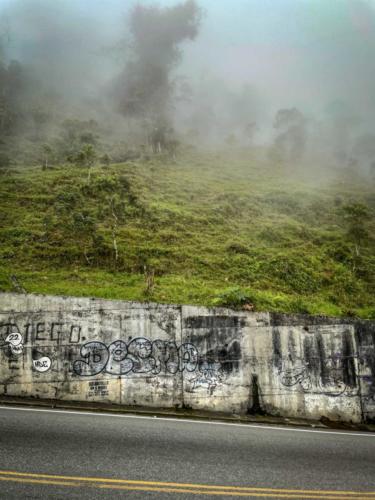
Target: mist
295, 77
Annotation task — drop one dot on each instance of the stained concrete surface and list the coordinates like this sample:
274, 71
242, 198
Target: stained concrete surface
169, 356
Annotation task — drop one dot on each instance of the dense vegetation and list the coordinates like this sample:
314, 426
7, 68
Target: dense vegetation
205, 228
114, 181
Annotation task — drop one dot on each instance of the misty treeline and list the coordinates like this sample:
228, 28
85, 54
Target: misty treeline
67, 95
42, 120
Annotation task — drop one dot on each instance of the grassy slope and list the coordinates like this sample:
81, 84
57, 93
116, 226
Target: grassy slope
204, 225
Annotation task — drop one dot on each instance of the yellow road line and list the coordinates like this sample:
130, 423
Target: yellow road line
166, 487
179, 490
41, 481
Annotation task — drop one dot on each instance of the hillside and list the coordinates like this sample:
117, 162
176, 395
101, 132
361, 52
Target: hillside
208, 228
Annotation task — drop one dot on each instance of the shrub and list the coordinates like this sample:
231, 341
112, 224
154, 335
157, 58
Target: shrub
237, 248
235, 298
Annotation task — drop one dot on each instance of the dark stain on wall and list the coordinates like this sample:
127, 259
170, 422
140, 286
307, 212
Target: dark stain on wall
323, 368
255, 407
348, 367
195, 322
311, 359
365, 339
365, 335
280, 319
229, 357
276, 345
292, 351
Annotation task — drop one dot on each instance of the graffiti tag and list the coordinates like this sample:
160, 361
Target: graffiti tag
333, 386
42, 364
140, 355
15, 342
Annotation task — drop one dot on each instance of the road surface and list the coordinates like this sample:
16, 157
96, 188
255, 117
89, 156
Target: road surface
68, 454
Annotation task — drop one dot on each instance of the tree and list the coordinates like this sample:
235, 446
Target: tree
355, 216
290, 141
87, 156
342, 120
105, 160
75, 137
47, 152
13, 84
144, 89
83, 226
364, 149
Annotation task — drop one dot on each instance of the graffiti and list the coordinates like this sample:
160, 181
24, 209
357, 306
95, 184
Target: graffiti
140, 355
325, 365
40, 361
210, 376
42, 364
294, 376
43, 331
143, 356
332, 385
15, 342
95, 356
98, 388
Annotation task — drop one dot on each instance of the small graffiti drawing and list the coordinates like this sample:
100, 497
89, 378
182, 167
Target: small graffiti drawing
15, 342
333, 386
294, 376
42, 364
209, 377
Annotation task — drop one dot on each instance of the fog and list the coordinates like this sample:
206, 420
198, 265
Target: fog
294, 76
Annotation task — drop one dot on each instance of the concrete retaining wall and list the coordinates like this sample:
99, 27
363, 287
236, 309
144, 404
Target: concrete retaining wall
181, 356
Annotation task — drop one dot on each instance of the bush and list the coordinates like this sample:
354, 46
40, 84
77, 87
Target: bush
294, 273
237, 248
234, 298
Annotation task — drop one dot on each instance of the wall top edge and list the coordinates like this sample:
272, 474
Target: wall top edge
11, 302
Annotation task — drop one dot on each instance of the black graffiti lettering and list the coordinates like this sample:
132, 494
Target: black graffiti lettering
188, 357
118, 363
75, 334
98, 388
172, 360
292, 377
333, 384
56, 331
53, 331
40, 331
139, 351
95, 356
8, 328
159, 354
141, 355
28, 330
41, 364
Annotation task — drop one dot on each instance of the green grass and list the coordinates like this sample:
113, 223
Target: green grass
213, 229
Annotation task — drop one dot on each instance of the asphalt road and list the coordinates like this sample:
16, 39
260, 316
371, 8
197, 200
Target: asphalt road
63, 454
